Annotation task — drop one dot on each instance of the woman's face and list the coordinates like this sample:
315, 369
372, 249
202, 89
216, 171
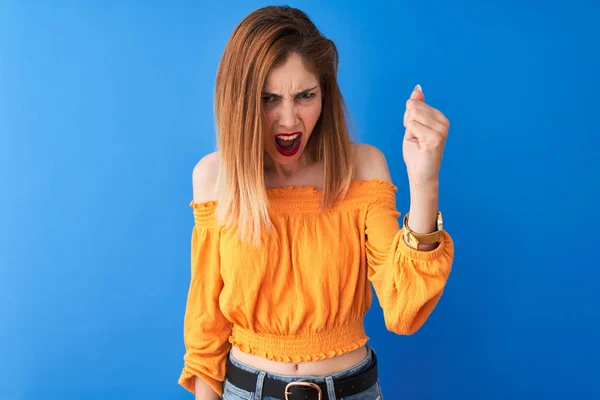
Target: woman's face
292, 106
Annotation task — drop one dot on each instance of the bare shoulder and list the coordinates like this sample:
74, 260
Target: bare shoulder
204, 178
370, 163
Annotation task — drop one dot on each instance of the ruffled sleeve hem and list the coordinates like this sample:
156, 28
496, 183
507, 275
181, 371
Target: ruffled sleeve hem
445, 249
187, 379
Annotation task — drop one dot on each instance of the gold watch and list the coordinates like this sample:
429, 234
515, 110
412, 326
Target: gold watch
415, 239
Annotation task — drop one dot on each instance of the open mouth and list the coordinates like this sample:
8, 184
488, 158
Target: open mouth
288, 144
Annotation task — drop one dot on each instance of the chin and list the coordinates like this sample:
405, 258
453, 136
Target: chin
280, 159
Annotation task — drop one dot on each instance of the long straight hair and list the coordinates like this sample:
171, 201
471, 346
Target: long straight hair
263, 40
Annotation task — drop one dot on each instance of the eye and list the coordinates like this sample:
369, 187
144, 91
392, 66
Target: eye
268, 98
306, 95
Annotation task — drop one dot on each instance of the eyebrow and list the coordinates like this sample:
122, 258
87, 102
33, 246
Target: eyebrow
278, 95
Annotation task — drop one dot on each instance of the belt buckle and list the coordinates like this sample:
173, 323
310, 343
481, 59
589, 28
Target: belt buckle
309, 384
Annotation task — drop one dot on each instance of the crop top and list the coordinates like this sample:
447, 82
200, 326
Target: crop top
303, 295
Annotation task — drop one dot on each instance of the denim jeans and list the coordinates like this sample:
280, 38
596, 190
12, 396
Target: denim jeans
231, 392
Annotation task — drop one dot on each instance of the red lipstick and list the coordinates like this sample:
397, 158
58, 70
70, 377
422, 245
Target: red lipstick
288, 144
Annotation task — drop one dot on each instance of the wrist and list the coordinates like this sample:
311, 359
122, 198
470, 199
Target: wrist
424, 205
426, 188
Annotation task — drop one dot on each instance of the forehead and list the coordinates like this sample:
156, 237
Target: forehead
290, 76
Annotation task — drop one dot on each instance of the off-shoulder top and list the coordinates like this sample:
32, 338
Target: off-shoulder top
303, 294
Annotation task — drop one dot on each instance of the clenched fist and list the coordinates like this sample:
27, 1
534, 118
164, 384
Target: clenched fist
424, 140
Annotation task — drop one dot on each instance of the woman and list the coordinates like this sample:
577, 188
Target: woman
293, 222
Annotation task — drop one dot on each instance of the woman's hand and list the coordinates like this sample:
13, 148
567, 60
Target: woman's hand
424, 141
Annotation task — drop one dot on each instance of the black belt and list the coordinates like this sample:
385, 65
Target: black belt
303, 390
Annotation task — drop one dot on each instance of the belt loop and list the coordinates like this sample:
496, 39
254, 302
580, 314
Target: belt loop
330, 388
259, 385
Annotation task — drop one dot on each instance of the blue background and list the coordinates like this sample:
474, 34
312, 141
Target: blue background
105, 107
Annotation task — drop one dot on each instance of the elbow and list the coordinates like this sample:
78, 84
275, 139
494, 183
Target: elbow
403, 327
409, 321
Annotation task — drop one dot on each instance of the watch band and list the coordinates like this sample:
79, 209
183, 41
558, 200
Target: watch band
415, 239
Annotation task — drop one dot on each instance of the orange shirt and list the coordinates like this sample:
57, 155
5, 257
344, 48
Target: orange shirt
304, 295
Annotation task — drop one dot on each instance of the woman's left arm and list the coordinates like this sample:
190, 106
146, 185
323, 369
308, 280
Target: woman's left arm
409, 281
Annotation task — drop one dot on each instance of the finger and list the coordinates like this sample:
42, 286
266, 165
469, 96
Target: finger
408, 136
422, 133
417, 104
417, 94
437, 114
426, 118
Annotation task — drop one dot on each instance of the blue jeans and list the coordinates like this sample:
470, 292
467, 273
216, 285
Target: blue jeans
231, 392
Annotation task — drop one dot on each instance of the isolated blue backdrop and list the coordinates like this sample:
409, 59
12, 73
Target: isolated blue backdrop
105, 107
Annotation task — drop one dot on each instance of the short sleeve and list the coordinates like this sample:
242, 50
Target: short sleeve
408, 282
206, 330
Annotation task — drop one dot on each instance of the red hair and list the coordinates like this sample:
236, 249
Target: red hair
263, 40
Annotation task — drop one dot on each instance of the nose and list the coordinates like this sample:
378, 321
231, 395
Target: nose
288, 117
